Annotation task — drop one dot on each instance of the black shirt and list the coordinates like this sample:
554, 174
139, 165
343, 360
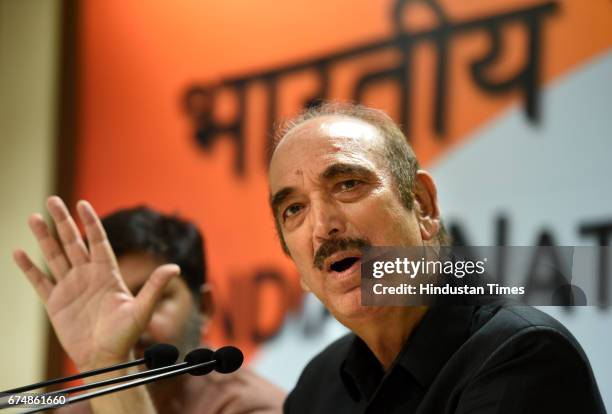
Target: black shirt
461, 359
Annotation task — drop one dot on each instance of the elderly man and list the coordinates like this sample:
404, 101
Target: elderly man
343, 177
135, 302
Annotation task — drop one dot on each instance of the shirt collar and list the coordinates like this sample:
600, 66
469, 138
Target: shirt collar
441, 332
360, 371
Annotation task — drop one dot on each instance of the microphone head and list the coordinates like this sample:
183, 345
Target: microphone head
229, 359
160, 355
198, 356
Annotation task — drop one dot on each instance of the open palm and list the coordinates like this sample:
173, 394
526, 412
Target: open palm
96, 318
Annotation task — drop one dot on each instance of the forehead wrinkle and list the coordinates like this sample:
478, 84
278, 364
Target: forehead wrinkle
347, 140
333, 126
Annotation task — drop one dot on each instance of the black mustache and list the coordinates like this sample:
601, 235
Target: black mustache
332, 246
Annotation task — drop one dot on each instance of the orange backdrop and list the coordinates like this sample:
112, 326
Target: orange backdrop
136, 142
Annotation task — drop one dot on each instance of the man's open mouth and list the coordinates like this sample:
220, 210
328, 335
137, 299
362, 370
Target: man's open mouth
342, 265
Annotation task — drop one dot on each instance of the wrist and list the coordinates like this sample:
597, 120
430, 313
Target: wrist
104, 360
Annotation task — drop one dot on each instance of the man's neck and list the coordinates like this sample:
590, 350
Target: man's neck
386, 334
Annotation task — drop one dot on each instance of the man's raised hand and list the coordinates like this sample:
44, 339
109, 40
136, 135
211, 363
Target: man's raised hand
95, 316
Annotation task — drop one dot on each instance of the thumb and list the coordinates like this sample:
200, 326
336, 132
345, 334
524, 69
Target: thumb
152, 290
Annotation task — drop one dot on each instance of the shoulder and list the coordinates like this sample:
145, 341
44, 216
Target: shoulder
507, 325
526, 358
502, 331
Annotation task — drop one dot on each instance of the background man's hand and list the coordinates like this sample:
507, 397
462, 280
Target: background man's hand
241, 392
96, 318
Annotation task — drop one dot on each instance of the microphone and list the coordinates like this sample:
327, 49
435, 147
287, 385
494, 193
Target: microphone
225, 360
156, 356
229, 359
194, 357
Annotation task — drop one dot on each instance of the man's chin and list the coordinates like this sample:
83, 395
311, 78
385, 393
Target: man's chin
347, 306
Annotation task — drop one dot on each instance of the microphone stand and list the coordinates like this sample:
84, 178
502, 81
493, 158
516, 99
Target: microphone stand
74, 377
120, 387
109, 381
159, 354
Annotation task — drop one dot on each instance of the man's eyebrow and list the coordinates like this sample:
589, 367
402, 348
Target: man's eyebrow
337, 169
277, 199
330, 172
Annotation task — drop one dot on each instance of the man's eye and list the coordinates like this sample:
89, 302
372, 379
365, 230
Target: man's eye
292, 210
348, 185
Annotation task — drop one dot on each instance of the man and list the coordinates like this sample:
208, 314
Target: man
143, 240
343, 177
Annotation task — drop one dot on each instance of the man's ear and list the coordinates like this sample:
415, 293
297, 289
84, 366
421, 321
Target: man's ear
426, 205
206, 301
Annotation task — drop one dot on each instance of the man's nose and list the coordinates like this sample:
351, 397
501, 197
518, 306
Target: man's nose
328, 221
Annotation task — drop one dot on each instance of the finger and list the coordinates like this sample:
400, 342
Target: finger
152, 290
220, 379
235, 404
219, 400
37, 278
100, 249
235, 398
56, 260
241, 401
68, 232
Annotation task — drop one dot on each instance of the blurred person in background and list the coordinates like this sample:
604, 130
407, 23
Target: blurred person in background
177, 308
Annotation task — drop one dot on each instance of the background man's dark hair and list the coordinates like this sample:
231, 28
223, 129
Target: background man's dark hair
167, 237
400, 157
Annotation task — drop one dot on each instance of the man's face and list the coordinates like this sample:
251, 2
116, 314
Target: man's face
176, 319
332, 193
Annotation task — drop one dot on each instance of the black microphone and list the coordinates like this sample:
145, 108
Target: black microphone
194, 357
156, 356
198, 356
229, 359
225, 360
